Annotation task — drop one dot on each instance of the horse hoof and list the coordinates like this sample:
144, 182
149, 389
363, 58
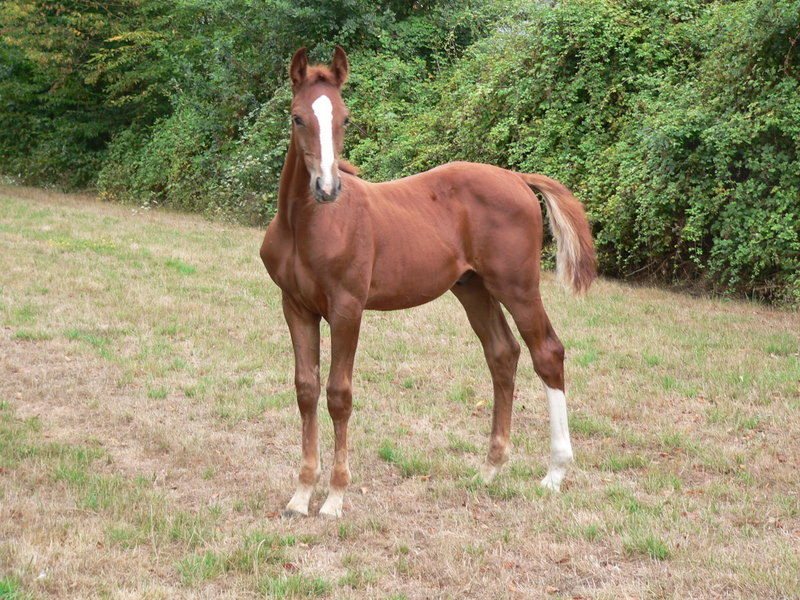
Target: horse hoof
487, 473
549, 483
290, 513
331, 512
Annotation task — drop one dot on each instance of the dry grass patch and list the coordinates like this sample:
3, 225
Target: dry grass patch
149, 439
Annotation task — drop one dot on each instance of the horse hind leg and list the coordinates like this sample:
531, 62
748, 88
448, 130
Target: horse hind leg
501, 351
550, 360
547, 353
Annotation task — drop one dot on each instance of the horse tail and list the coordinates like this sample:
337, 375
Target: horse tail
576, 264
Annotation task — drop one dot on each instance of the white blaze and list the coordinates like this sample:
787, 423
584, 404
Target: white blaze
323, 110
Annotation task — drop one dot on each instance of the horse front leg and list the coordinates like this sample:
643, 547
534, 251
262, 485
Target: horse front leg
304, 330
345, 326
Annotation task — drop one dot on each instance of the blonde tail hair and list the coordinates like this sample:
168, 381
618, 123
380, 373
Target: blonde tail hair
576, 264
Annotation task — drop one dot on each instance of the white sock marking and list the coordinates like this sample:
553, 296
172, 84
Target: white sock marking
333, 504
299, 502
560, 445
323, 110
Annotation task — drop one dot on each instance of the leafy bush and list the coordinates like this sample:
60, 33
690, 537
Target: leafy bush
676, 123
169, 163
247, 187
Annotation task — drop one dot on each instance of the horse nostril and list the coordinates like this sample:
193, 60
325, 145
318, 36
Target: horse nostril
325, 192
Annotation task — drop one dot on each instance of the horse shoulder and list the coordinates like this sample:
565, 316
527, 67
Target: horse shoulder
277, 253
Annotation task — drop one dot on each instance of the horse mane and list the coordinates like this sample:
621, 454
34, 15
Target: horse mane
348, 168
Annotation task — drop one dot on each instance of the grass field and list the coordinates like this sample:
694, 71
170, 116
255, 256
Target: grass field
149, 438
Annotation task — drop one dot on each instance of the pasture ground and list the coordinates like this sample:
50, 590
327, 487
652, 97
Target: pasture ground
149, 437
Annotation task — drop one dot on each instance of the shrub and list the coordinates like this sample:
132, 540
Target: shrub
676, 123
166, 164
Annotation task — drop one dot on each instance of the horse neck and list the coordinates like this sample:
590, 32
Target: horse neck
293, 188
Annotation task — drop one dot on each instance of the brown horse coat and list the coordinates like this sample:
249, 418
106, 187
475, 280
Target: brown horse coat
339, 245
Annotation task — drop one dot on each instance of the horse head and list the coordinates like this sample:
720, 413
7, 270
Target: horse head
319, 119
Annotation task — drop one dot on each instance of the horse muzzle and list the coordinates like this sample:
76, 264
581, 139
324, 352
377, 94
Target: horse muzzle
326, 192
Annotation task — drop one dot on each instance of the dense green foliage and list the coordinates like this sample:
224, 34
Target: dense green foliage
677, 122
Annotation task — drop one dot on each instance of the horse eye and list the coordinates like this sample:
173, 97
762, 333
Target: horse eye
346, 121
297, 121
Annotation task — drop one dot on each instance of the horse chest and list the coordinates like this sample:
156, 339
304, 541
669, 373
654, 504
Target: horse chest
313, 269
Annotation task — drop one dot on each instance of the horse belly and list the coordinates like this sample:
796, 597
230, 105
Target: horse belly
413, 277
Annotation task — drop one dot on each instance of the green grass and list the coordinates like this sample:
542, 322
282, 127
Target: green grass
457, 444
408, 463
149, 435
198, 567
461, 393
97, 340
590, 425
11, 589
783, 344
282, 587
648, 545
623, 461
157, 393
359, 574
27, 335
180, 267
260, 549
590, 532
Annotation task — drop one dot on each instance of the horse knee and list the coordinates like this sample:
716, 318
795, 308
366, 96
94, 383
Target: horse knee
340, 401
548, 362
307, 394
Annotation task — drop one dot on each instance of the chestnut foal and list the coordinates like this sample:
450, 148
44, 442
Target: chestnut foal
339, 245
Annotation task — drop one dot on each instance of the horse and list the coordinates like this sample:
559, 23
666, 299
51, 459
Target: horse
339, 245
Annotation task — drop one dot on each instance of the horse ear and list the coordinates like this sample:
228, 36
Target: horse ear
340, 67
297, 70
